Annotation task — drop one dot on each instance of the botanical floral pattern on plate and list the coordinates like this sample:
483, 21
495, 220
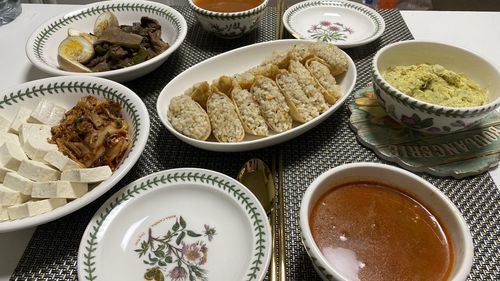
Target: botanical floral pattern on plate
327, 31
179, 254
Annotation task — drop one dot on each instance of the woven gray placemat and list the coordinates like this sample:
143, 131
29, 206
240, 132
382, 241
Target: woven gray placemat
52, 252
333, 143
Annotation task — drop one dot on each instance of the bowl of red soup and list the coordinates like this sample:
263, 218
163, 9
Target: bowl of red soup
370, 221
228, 18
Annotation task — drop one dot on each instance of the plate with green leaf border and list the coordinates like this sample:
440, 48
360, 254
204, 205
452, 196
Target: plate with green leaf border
180, 224
42, 45
343, 23
469, 152
66, 91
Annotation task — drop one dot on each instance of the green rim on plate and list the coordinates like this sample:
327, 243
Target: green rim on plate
95, 10
377, 20
66, 91
215, 180
77, 87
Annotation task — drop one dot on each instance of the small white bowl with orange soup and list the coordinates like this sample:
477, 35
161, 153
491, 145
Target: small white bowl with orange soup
370, 221
228, 18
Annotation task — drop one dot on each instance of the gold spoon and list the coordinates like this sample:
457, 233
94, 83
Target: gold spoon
257, 177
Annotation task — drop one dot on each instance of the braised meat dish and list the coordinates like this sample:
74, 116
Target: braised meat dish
111, 45
123, 46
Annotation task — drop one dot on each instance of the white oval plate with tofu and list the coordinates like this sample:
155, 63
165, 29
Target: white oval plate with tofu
24, 176
238, 61
174, 224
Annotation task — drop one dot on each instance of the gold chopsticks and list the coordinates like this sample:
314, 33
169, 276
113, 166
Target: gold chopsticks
281, 222
279, 260
280, 9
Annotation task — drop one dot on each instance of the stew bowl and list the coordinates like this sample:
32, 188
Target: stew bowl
411, 185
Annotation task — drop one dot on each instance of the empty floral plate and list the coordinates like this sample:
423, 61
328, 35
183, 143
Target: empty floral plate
181, 224
343, 23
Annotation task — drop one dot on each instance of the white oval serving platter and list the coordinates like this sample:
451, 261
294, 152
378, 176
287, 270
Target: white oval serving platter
180, 224
66, 91
343, 23
238, 61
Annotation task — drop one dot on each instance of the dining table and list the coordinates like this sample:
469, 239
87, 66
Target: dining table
49, 251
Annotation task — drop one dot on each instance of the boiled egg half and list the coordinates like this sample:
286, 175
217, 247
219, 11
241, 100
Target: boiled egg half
73, 51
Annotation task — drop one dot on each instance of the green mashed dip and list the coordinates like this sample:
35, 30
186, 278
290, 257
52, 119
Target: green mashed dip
434, 84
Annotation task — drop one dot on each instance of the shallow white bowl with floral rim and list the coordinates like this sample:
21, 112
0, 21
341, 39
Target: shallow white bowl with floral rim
180, 224
344, 23
423, 116
66, 91
229, 25
42, 46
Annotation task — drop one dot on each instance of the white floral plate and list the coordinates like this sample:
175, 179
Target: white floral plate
180, 224
343, 23
66, 91
238, 61
42, 46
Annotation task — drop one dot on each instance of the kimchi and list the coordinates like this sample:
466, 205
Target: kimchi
93, 133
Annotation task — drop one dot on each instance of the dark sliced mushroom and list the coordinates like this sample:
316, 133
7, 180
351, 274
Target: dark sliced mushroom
158, 45
154, 34
117, 52
114, 35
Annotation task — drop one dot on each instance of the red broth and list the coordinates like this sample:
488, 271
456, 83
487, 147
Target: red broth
369, 231
227, 6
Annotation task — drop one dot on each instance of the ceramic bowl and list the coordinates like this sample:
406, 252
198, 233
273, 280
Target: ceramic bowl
229, 25
424, 116
418, 188
42, 46
66, 91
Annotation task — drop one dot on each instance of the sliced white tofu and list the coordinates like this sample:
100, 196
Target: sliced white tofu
11, 155
22, 116
38, 171
18, 211
88, 175
4, 215
60, 161
37, 147
4, 124
44, 206
18, 183
9, 197
47, 112
29, 130
8, 137
59, 189
3, 172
